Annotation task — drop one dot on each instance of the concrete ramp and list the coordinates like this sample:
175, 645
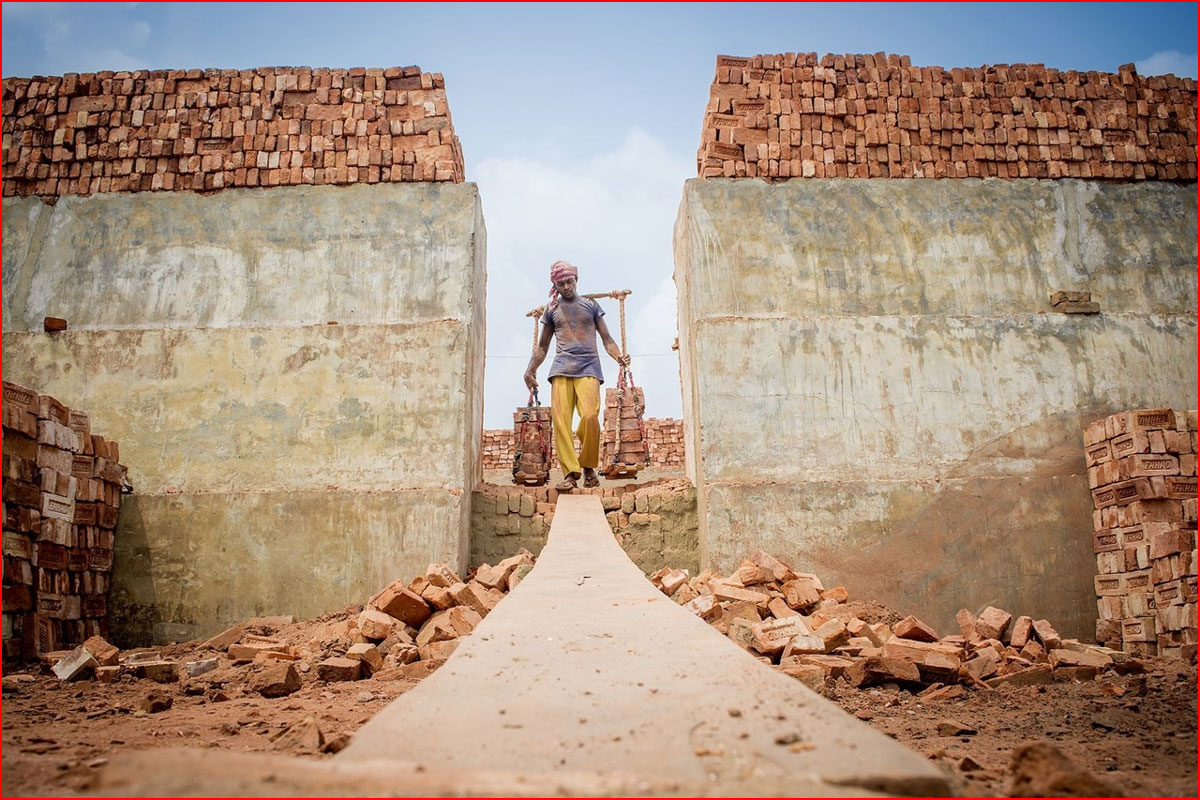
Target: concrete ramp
587, 669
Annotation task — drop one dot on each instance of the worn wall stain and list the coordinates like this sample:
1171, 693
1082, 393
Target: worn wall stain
879, 389
281, 464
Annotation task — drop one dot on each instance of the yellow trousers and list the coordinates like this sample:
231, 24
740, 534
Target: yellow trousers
567, 395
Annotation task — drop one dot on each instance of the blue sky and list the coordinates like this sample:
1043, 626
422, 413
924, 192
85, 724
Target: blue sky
580, 122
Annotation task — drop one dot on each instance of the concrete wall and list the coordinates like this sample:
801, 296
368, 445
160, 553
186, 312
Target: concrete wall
876, 389
294, 375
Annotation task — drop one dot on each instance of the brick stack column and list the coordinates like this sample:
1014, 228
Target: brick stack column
1142, 471
62, 493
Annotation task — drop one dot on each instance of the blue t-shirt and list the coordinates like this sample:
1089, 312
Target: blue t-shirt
574, 325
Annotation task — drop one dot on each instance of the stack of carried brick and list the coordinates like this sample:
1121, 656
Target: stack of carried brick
62, 492
533, 439
664, 438
623, 411
793, 115
789, 620
1142, 471
213, 129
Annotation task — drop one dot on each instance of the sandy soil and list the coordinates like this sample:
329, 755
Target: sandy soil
1138, 731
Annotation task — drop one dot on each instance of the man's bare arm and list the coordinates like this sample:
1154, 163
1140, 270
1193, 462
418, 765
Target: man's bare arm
609, 345
539, 355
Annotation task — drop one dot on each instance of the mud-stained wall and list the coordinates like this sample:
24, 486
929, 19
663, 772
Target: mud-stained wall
877, 387
264, 359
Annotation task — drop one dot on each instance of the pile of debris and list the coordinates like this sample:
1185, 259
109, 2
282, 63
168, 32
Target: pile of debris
790, 620
405, 632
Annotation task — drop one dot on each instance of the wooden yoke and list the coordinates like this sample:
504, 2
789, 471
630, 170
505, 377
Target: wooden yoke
615, 294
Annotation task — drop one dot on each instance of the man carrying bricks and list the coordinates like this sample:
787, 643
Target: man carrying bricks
575, 375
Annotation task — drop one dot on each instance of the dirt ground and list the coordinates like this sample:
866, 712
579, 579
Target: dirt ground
1137, 730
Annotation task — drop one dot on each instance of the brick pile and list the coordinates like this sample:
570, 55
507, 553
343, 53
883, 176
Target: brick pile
404, 632
877, 116
497, 449
665, 439
62, 493
664, 436
789, 620
205, 130
1142, 471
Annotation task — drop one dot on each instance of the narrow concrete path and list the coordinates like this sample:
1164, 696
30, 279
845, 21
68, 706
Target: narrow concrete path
584, 681
586, 669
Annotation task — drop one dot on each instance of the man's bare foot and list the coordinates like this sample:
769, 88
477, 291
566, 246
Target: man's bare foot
590, 479
568, 483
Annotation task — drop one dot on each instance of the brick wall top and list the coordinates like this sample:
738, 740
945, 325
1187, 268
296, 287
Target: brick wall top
213, 129
877, 116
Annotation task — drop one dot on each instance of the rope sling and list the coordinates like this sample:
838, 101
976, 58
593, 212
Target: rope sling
625, 383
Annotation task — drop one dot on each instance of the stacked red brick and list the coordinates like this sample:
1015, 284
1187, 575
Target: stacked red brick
877, 116
62, 492
665, 440
623, 445
664, 437
497, 449
214, 129
1142, 470
532, 432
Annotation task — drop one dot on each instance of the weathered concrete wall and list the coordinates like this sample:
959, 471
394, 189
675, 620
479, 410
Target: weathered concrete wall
876, 389
265, 360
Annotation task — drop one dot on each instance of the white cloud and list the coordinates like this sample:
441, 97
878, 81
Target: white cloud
72, 42
139, 32
1168, 62
612, 216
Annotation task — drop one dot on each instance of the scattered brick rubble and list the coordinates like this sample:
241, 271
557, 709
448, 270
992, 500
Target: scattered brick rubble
664, 436
784, 618
1142, 470
795, 115
791, 621
404, 632
213, 129
62, 493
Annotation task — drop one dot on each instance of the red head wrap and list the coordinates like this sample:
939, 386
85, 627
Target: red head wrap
560, 270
